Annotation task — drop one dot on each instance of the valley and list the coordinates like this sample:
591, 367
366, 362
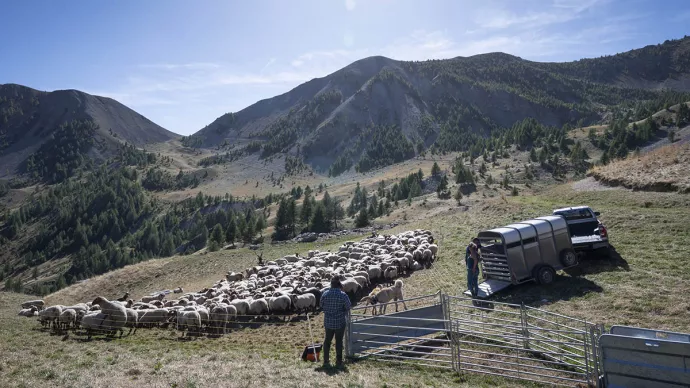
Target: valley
95, 199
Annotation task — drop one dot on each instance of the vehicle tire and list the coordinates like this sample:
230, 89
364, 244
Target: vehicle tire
568, 258
544, 274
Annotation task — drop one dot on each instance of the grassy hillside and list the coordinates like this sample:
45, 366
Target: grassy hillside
662, 169
637, 286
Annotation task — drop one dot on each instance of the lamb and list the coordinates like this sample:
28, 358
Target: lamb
67, 318
304, 302
39, 303
132, 320
115, 312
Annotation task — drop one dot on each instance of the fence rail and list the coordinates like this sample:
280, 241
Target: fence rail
501, 339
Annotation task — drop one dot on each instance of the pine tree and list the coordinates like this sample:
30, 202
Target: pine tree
231, 229
533, 155
319, 222
435, 170
362, 219
217, 234
671, 136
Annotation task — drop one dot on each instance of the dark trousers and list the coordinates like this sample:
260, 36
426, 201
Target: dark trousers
338, 333
472, 281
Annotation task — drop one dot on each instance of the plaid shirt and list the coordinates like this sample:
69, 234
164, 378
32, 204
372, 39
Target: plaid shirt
335, 305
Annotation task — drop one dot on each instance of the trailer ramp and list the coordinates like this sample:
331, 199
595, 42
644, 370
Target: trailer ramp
489, 287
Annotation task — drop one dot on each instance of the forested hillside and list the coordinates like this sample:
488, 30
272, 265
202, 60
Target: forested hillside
378, 111
40, 129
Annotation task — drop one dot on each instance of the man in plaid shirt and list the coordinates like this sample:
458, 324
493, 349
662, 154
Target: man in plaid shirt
335, 305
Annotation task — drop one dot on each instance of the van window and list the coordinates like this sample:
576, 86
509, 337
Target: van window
577, 214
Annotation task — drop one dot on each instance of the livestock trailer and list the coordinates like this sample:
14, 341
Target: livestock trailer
531, 250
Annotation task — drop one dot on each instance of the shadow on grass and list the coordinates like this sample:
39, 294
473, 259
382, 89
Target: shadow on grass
332, 370
562, 289
599, 262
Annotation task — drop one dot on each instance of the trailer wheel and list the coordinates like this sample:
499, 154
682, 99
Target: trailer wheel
544, 274
568, 258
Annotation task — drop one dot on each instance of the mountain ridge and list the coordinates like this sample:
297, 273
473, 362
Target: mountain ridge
465, 97
28, 118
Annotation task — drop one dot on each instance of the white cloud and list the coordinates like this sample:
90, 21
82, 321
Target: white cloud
350, 4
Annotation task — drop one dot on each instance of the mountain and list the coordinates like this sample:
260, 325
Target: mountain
29, 117
378, 111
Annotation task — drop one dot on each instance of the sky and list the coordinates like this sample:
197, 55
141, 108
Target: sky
182, 64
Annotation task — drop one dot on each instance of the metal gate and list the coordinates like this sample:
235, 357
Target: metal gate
501, 339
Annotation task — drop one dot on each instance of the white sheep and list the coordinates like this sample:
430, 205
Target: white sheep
279, 304
50, 315
29, 312
304, 302
258, 307
189, 321
115, 312
67, 318
92, 322
132, 320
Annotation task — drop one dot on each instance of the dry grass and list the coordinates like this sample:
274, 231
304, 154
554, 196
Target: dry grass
662, 169
646, 284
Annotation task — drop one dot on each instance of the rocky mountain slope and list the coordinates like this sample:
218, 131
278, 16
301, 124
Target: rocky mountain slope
29, 117
449, 105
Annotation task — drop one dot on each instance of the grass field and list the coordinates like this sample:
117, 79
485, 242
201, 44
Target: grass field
645, 284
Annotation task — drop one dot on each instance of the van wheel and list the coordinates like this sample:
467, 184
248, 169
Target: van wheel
568, 258
544, 274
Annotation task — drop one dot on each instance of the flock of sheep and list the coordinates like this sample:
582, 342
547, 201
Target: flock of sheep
285, 286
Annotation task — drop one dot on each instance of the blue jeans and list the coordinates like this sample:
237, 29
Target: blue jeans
472, 279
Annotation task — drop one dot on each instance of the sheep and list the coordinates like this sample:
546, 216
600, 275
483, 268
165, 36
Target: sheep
29, 312
189, 321
390, 273
67, 318
233, 277
115, 312
241, 306
50, 315
92, 322
38, 303
132, 320
221, 316
434, 249
178, 290
279, 304
258, 307
148, 299
304, 302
